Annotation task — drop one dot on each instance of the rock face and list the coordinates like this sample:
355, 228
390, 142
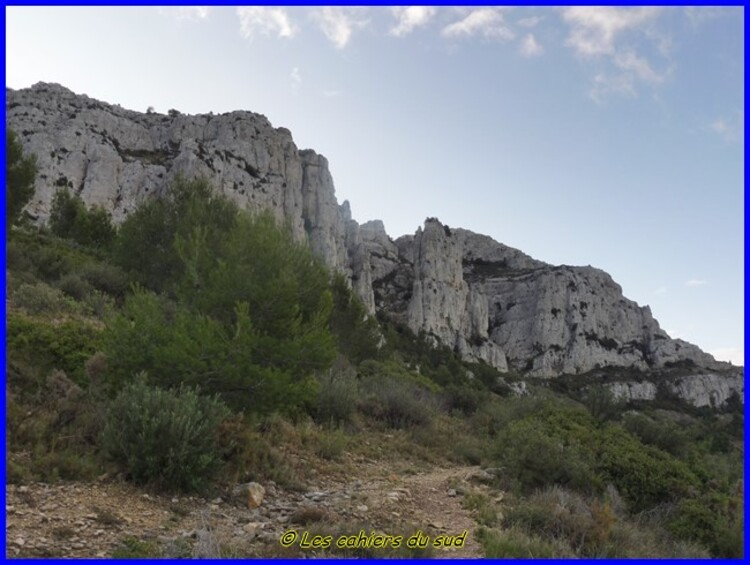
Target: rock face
711, 390
486, 300
116, 158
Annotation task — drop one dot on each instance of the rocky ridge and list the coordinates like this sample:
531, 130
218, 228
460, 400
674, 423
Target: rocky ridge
488, 301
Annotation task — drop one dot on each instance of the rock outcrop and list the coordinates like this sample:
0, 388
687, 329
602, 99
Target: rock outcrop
488, 301
703, 389
116, 158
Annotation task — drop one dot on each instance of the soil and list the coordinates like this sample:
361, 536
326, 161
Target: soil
110, 517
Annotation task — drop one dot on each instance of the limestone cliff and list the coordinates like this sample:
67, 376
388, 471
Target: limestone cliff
488, 301
701, 389
116, 158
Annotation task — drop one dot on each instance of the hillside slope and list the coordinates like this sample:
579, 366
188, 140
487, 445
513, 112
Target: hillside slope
488, 301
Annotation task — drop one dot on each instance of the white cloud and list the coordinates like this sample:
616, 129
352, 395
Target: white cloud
595, 29
194, 12
630, 62
265, 21
661, 290
734, 355
728, 128
606, 34
529, 22
332, 93
720, 126
187, 13
530, 47
605, 84
487, 22
295, 78
696, 282
338, 24
410, 18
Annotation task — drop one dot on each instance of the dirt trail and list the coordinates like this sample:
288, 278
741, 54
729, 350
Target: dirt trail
433, 502
93, 519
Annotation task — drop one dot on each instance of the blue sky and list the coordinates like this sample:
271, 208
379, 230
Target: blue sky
605, 136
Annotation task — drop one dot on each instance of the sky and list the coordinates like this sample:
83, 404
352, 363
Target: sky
611, 137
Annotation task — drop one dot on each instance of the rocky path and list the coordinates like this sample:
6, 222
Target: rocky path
431, 500
96, 519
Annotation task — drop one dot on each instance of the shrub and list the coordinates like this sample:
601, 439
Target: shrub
516, 543
593, 528
99, 304
338, 394
331, 444
157, 223
164, 438
646, 539
70, 219
74, 286
464, 398
398, 404
565, 515
494, 415
253, 306
43, 255
175, 345
52, 427
468, 453
65, 346
107, 278
133, 548
534, 458
644, 475
484, 511
40, 298
564, 446
602, 404
252, 455
664, 434
357, 334
713, 520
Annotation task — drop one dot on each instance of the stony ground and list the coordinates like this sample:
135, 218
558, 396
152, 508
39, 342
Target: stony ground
111, 517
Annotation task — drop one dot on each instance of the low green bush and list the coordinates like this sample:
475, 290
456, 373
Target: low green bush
50, 345
535, 458
464, 398
251, 453
483, 509
165, 438
565, 446
516, 543
644, 475
664, 434
567, 516
74, 286
714, 520
338, 395
45, 256
601, 404
99, 304
331, 443
40, 298
106, 278
396, 403
133, 548
71, 219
